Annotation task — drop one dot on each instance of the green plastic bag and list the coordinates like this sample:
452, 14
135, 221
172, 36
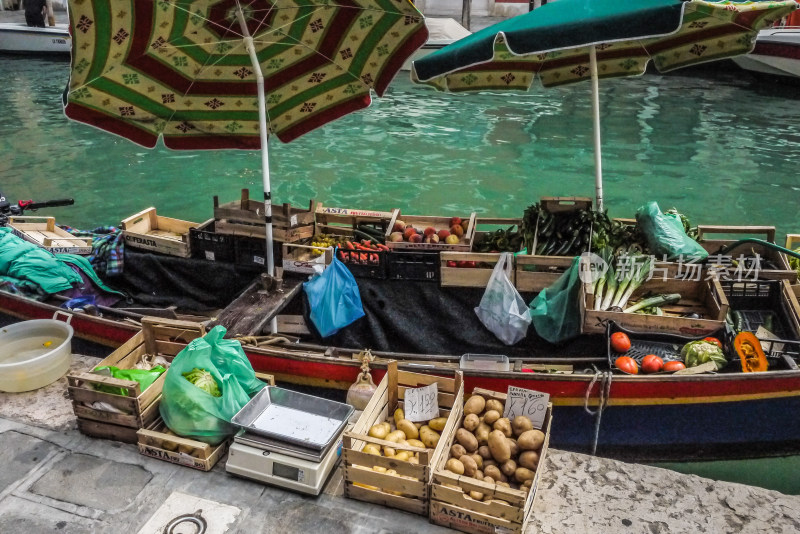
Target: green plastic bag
145, 377
555, 310
665, 234
190, 411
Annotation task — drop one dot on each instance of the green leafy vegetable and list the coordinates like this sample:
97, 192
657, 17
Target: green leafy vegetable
204, 380
698, 352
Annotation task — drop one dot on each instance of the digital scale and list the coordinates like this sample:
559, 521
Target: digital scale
288, 439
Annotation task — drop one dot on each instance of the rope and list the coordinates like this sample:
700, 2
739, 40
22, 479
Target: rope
260, 341
605, 378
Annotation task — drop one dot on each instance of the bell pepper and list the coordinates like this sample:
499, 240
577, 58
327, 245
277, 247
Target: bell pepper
748, 347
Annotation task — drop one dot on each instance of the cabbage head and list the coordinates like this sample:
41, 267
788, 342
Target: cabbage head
204, 380
698, 352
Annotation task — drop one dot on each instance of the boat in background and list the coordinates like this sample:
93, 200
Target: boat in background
777, 52
19, 38
441, 32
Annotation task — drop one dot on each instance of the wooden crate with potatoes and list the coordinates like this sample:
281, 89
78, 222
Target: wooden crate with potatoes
393, 467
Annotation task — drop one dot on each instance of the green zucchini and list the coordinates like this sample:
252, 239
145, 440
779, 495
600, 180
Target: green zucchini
658, 300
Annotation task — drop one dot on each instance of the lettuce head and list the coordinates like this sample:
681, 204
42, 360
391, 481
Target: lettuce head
204, 380
698, 352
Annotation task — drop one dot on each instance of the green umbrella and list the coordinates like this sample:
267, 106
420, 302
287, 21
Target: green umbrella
567, 41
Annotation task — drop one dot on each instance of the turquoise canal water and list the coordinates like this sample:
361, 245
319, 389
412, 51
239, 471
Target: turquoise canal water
719, 145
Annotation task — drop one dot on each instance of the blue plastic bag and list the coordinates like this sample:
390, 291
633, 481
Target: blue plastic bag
334, 298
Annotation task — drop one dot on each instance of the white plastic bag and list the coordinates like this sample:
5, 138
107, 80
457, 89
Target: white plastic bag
502, 309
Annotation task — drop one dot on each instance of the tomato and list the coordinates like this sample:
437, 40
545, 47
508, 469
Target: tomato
713, 340
652, 363
671, 367
626, 364
620, 342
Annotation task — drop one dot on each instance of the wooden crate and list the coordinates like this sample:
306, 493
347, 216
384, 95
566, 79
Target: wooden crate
451, 507
149, 231
328, 218
439, 223
245, 217
42, 231
453, 273
781, 269
357, 465
153, 441
533, 273
298, 258
166, 337
706, 298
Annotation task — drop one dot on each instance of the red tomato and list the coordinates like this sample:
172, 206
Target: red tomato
620, 342
626, 364
713, 340
671, 367
652, 363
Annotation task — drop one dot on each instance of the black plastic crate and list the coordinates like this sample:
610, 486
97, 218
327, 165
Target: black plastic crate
759, 303
250, 252
208, 245
403, 265
665, 346
364, 264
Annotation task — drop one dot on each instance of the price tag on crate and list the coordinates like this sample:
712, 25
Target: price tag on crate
531, 404
422, 404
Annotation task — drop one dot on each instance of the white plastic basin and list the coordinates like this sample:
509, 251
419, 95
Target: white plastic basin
34, 354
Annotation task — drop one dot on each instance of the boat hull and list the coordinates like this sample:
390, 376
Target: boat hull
777, 53
18, 38
644, 417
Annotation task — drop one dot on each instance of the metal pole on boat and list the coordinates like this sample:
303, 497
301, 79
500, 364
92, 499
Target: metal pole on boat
598, 159
466, 13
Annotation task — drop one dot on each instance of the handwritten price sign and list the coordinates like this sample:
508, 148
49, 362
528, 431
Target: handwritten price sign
531, 404
422, 404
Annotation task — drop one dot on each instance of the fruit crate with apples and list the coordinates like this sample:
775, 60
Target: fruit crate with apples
467, 269
329, 219
420, 232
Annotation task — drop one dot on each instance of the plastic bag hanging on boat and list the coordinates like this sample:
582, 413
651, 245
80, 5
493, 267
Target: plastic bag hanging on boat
555, 310
502, 309
334, 298
665, 234
191, 411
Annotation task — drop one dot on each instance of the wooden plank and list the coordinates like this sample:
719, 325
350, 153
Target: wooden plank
253, 310
97, 429
414, 506
444, 384
365, 475
497, 510
705, 229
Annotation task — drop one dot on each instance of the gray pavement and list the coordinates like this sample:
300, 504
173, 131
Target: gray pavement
55, 479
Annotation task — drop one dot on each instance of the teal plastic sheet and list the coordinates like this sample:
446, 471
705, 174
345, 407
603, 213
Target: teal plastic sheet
666, 236
192, 412
555, 310
145, 377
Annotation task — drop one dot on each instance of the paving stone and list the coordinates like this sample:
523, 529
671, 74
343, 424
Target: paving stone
93, 482
19, 453
21, 516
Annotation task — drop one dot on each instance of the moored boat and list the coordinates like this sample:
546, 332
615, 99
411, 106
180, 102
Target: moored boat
19, 38
777, 53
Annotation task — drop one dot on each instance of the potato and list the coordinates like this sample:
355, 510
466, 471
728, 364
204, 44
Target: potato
407, 427
454, 466
471, 422
522, 474
504, 484
429, 437
478, 474
528, 483
487, 479
493, 472
372, 448
474, 404
186, 449
395, 436
512, 444
476, 495
470, 467
482, 433
529, 459
416, 443
379, 431
438, 424
498, 446
467, 440
378, 468
491, 416
389, 452
403, 456
414, 460
508, 467
530, 440
457, 451
169, 445
521, 424
478, 459
487, 463
399, 415
496, 405
483, 450
504, 426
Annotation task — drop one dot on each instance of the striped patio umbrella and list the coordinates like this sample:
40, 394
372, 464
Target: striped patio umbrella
566, 41
216, 74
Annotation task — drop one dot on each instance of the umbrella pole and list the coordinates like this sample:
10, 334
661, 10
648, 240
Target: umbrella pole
262, 128
598, 159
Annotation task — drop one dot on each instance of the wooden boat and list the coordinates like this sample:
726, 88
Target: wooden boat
777, 53
19, 38
649, 417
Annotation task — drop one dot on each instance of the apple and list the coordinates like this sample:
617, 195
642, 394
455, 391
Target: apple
455, 221
408, 232
416, 238
456, 229
433, 238
394, 237
452, 239
443, 234
429, 231
399, 226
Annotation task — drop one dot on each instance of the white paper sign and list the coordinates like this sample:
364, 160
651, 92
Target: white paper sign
422, 404
531, 404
